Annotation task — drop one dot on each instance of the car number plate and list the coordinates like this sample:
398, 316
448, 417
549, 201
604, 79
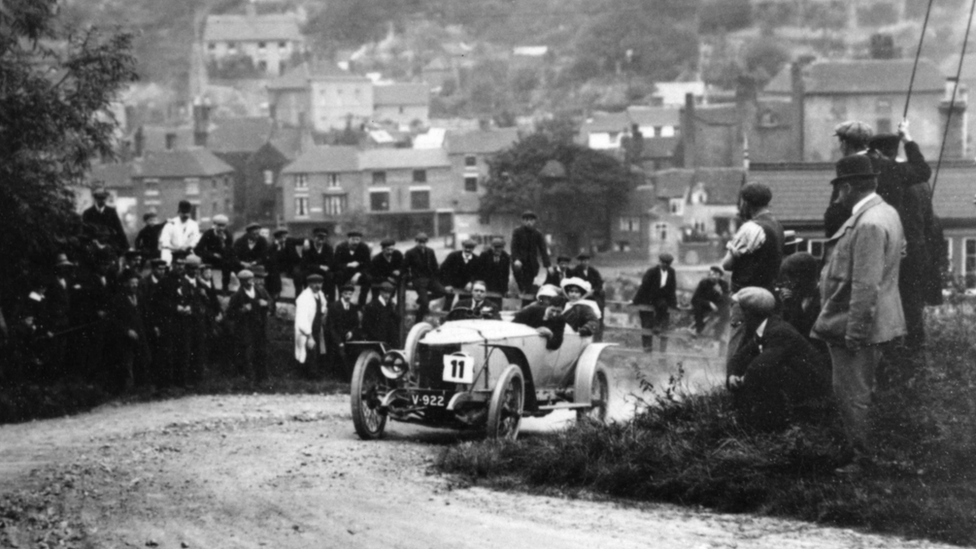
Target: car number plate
432, 399
459, 368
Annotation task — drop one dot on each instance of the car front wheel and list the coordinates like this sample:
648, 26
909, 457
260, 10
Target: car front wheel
507, 401
368, 387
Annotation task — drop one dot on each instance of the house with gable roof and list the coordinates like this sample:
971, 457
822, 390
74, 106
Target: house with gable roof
405, 104
605, 131
268, 40
161, 179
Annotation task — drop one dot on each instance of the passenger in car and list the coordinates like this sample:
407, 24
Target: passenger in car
478, 305
545, 315
582, 315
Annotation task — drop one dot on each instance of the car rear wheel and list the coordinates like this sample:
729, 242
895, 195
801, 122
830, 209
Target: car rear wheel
599, 397
507, 402
368, 387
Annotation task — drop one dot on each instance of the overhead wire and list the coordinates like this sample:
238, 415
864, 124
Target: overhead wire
952, 99
918, 53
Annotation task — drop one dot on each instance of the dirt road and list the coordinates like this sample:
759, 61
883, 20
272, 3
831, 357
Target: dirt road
288, 471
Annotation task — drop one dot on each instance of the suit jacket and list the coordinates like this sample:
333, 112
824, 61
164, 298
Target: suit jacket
420, 263
211, 244
147, 241
486, 309
556, 277
249, 324
312, 260
495, 274
859, 285
889, 189
341, 321
243, 253
125, 316
382, 269
381, 322
527, 245
709, 291
108, 218
650, 291
346, 254
534, 315
455, 272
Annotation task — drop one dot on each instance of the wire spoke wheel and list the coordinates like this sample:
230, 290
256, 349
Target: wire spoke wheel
507, 402
368, 388
599, 398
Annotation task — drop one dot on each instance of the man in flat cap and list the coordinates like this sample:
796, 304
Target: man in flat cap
528, 245
421, 267
862, 306
776, 376
658, 289
106, 216
318, 258
494, 264
342, 325
180, 233
459, 269
216, 248
380, 319
248, 311
709, 296
755, 252
561, 271
311, 310
282, 259
147, 240
386, 265
250, 249
352, 264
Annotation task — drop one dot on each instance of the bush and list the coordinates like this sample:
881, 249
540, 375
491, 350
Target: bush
692, 450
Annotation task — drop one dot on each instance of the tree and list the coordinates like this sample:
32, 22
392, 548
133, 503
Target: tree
56, 84
578, 204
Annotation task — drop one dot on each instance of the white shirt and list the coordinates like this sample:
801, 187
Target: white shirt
860, 204
760, 331
178, 235
249, 292
664, 277
747, 239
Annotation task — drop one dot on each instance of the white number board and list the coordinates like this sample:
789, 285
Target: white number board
459, 368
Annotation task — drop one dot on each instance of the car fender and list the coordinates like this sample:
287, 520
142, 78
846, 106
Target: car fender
515, 356
418, 331
585, 366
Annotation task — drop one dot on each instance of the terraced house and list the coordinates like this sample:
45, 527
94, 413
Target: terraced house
396, 192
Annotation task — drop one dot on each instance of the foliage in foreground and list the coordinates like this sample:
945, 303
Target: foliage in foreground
693, 451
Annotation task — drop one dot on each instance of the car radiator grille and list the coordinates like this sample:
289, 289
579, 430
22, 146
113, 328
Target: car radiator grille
430, 365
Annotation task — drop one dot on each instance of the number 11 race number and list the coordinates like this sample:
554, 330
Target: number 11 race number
459, 368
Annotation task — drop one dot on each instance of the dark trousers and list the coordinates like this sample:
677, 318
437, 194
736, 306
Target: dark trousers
134, 363
251, 353
525, 278
427, 289
188, 351
647, 323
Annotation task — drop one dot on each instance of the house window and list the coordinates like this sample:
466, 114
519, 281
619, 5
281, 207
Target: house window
379, 201
192, 187
301, 206
262, 45
484, 218
471, 184
969, 261
333, 180
213, 184
301, 180
623, 246
420, 176
656, 131
211, 46
882, 111
419, 200
948, 242
152, 187
268, 177
630, 224
379, 178
661, 231
677, 206
335, 204
401, 110
470, 161
282, 45
698, 225
262, 65
815, 246
232, 47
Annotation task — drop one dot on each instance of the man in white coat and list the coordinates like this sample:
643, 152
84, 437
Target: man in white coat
180, 233
310, 311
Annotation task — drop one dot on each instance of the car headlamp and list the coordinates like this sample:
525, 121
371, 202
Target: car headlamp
394, 364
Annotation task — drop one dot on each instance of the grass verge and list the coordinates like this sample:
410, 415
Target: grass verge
693, 450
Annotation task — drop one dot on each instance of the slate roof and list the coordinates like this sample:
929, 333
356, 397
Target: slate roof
288, 141
953, 198
239, 134
721, 184
862, 76
294, 78
401, 94
672, 183
114, 175
391, 159
155, 137
718, 115
655, 116
607, 122
799, 196
268, 27
180, 163
481, 141
326, 159
660, 147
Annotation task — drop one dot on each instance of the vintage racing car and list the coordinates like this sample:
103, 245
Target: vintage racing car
478, 374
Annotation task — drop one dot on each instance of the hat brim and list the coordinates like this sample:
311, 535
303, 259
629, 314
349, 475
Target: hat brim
853, 176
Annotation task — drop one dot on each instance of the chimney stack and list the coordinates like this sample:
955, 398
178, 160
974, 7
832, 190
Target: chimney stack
955, 146
799, 92
688, 132
201, 123
139, 142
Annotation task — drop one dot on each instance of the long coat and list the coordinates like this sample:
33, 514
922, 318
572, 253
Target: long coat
527, 245
381, 322
859, 285
495, 273
212, 244
108, 218
305, 310
455, 272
